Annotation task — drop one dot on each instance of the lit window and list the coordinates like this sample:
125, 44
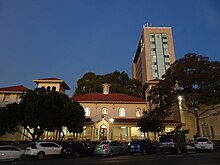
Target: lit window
6, 98
121, 112
87, 111
124, 131
138, 112
104, 111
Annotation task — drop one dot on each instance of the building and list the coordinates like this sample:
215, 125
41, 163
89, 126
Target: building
10, 95
111, 116
53, 84
154, 54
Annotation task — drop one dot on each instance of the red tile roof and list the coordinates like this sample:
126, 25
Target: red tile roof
52, 78
112, 97
19, 88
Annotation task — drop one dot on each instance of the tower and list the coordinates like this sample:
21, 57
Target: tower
154, 54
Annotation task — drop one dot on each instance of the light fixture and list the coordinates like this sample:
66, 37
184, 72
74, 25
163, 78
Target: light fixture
111, 120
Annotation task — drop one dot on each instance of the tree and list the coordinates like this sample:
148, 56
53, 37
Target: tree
180, 132
197, 81
40, 111
120, 83
151, 121
74, 118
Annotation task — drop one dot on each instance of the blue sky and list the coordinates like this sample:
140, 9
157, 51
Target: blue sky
67, 38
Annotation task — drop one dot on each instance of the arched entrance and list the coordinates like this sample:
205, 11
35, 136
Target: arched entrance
103, 132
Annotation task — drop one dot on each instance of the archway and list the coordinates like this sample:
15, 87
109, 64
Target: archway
103, 132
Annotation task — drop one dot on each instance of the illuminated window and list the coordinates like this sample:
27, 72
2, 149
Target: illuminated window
138, 112
87, 111
121, 112
104, 111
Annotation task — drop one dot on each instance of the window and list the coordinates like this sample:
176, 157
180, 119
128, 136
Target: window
124, 131
6, 98
121, 112
138, 112
87, 111
104, 111
48, 89
53, 88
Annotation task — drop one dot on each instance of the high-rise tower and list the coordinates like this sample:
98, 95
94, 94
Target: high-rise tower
154, 54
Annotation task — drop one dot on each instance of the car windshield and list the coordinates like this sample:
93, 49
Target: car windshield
202, 140
135, 142
165, 139
32, 145
104, 142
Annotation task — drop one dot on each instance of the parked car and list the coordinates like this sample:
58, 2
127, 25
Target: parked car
109, 148
141, 146
42, 149
8, 152
76, 150
203, 143
172, 144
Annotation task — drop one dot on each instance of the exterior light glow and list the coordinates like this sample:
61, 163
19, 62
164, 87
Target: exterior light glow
111, 120
180, 98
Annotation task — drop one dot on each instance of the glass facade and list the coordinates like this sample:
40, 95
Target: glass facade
160, 58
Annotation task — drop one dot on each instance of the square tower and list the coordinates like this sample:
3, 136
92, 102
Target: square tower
154, 54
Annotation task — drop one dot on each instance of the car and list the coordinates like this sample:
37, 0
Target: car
172, 144
42, 149
76, 150
109, 148
203, 143
143, 147
9, 152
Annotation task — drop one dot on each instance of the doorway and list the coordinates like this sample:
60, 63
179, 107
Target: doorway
103, 132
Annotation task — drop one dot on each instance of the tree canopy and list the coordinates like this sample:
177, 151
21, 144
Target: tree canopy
119, 81
151, 121
196, 80
41, 111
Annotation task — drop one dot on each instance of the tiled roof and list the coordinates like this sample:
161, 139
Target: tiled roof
52, 78
19, 88
112, 97
64, 85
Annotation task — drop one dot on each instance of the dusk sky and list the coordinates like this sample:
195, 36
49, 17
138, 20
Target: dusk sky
68, 38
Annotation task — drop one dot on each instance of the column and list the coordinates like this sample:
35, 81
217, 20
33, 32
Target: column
129, 131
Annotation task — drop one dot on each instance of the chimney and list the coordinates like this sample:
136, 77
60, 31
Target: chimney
105, 88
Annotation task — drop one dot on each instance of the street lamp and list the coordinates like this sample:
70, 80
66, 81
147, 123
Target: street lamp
180, 98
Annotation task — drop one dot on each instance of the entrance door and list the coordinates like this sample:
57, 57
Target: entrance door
103, 132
